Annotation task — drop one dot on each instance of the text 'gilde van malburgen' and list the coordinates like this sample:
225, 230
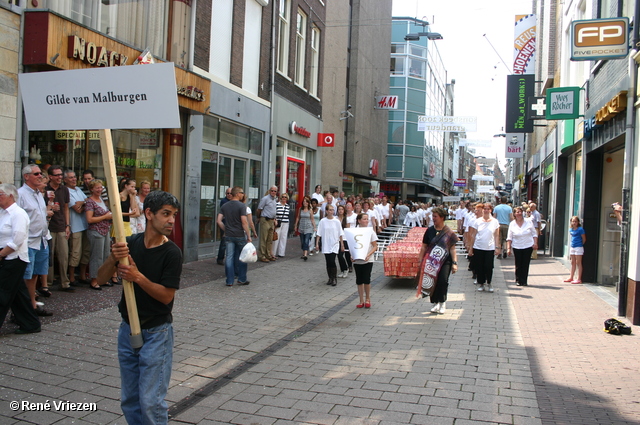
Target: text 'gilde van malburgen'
61, 99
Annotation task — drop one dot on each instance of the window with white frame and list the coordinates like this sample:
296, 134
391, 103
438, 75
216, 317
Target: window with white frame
301, 36
315, 60
284, 15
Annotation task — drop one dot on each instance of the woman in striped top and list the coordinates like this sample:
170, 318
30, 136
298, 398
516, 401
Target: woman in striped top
282, 216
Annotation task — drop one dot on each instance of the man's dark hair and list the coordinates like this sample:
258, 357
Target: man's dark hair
88, 172
503, 200
156, 200
53, 168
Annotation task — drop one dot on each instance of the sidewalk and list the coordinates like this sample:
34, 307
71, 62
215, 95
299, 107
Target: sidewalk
287, 349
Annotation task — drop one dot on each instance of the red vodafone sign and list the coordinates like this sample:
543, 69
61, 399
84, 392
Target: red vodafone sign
326, 139
294, 128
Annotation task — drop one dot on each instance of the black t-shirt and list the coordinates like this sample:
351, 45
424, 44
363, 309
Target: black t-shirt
126, 206
429, 235
161, 264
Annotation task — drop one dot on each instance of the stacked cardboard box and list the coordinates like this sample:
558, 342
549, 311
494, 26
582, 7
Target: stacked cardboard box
401, 259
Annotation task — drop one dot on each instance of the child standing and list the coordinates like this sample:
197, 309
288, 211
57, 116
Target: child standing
576, 250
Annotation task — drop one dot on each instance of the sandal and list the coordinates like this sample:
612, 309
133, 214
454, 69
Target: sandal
568, 280
44, 291
115, 281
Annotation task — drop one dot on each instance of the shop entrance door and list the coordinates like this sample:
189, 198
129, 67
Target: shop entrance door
231, 172
295, 181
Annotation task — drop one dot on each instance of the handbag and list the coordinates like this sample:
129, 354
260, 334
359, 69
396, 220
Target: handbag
275, 235
616, 327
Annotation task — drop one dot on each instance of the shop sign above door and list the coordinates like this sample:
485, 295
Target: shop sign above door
113, 97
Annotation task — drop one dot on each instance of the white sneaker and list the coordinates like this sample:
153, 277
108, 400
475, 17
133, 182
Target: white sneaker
344, 274
489, 288
442, 308
475, 281
436, 308
480, 288
310, 253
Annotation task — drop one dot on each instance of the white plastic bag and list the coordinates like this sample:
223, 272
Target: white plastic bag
249, 254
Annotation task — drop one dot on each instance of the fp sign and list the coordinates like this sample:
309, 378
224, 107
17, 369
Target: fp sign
599, 39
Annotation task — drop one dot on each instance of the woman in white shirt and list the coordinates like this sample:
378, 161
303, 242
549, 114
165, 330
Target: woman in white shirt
523, 239
363, 261
412, 218
330, 237
485, 245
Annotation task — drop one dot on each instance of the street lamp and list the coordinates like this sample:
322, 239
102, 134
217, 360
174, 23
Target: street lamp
416, 36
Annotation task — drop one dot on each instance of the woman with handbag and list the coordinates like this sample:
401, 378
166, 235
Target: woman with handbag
279, 245
305, 225
439, 261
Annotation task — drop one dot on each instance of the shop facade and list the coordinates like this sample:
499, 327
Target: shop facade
54, 43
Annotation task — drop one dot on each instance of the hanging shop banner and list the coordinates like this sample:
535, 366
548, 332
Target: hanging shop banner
460, 182
597, 39
482, 178
563, 103
386, 102
451, 198
471, 143
514, 145
486, 189
447, 123
519, 89
524, 60
111, 97
327, 139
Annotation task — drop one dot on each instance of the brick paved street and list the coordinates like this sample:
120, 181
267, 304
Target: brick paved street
287, 349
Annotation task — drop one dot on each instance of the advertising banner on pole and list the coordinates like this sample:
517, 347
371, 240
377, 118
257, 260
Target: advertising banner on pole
514, 145
447, 123
524, 59
519, 89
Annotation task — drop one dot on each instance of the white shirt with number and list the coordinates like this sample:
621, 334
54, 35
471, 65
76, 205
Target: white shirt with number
330, 231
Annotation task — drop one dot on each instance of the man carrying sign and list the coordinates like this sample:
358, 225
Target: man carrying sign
155, 265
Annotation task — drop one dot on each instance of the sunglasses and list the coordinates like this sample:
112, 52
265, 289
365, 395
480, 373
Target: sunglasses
37, 174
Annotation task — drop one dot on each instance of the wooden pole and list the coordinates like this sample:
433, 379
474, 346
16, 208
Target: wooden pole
109, 162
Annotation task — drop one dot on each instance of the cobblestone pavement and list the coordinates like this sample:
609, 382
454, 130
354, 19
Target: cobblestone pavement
287, 349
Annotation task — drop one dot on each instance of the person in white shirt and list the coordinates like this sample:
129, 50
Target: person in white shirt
330, 237
484, 234
318, 195
412, 219
14, 257
363, 265
522, 238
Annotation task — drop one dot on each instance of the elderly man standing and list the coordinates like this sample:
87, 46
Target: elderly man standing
267, 213
80, 251
60, 227
30, 200
14, 258
536, 217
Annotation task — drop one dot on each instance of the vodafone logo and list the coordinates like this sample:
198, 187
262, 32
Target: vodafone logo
326, 139
295, 129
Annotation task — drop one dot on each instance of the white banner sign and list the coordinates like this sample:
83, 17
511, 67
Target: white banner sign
447, 123
359, 241
475, 143
514, 145
451, 199
486, 189
482, 178
141, 96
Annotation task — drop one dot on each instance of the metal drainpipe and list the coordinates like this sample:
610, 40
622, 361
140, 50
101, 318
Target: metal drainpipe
270, 143
629, 154
21, 139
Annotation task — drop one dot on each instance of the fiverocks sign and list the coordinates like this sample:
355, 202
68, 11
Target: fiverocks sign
115, 97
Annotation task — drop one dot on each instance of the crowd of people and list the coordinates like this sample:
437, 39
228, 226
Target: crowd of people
69, 231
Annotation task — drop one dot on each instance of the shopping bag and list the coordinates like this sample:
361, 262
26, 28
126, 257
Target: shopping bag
248, 254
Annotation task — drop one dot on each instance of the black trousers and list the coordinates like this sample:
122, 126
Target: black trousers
442, 285
483, 265
14, 295
344, 258
523, 259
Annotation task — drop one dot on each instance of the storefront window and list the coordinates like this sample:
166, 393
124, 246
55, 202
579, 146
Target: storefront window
141, 23
138, 153
256, 142
208, 198
210, 132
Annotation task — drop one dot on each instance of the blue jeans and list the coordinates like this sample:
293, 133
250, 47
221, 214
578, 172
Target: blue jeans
232, 265
305, 238
145, 374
